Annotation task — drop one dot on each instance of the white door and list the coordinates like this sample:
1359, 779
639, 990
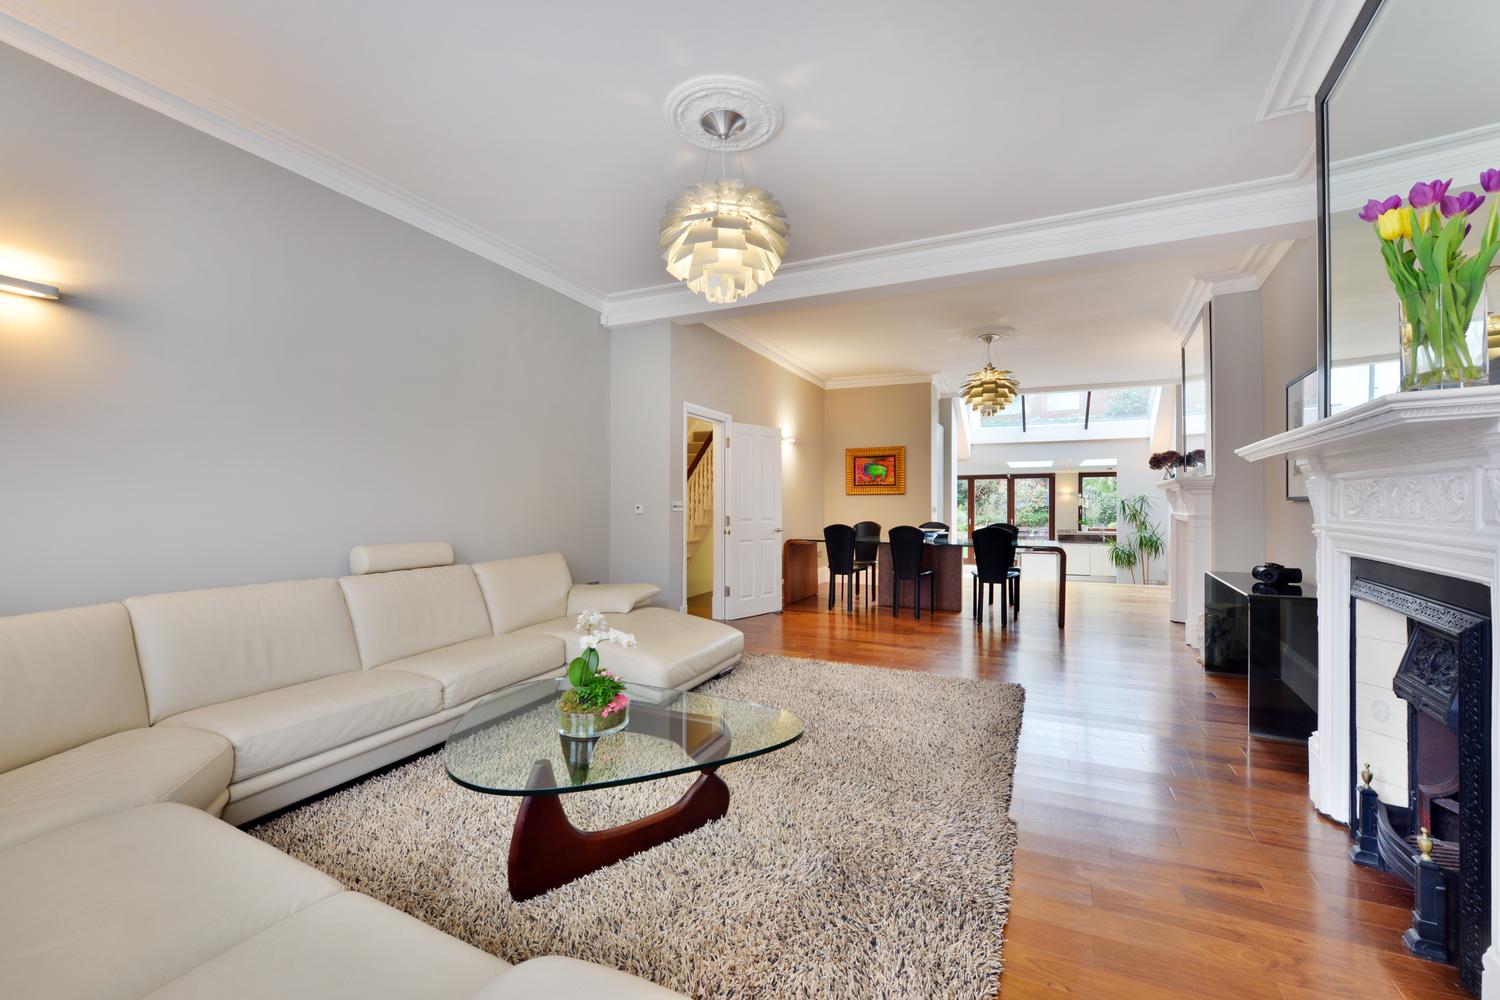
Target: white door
752, 534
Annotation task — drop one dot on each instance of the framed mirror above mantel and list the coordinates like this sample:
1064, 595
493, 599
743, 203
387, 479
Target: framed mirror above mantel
1409, 98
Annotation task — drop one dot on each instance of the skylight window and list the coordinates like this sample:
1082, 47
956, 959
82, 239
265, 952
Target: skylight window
1094, 463
1072, 415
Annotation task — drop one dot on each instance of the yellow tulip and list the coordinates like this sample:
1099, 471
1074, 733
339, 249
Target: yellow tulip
1395, 224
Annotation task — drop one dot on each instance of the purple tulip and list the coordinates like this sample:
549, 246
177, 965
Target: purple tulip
1424, 195
1490, 180
1374, 209
1467, 201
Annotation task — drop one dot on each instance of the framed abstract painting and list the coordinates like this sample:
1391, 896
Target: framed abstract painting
869, 471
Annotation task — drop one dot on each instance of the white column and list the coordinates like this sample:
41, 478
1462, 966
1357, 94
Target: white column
1192, 541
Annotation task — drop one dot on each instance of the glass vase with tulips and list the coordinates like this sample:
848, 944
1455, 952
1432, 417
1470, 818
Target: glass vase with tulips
1438, 284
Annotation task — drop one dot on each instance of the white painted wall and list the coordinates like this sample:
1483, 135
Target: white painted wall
249, 373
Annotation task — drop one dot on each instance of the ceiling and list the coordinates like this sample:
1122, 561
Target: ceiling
542, 125
1109, 323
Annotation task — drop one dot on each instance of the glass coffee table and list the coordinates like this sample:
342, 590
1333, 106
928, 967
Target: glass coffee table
510, 744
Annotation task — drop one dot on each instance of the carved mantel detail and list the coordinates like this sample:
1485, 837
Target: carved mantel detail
1438, 497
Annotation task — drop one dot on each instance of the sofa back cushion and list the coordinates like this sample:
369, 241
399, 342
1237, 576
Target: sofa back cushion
525, 591
411, 611
202, 647
66, 677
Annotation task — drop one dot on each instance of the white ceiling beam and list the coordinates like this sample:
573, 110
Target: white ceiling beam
1236, 208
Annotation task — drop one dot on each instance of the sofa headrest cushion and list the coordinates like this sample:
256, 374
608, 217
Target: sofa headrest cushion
402, 555
610, 598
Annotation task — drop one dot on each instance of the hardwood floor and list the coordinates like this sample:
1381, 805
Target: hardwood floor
1162, 854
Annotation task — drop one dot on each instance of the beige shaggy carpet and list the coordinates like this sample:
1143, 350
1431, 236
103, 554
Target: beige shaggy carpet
872, 858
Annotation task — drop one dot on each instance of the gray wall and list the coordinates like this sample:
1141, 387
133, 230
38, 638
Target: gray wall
1238, 408
1289, 321
249, 373
640, 458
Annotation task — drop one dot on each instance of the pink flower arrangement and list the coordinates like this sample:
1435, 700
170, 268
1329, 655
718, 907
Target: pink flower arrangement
616, 705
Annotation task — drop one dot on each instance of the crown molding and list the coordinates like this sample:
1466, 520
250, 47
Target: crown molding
872, 381
1321, 27
1355, 179
1234, 208
1253, 270
98, 65
734, 331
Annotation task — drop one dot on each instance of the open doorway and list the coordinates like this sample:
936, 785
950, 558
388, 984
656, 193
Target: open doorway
703, 436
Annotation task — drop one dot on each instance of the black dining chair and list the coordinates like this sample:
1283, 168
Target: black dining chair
839, 540
906, 564
936, 531
867, 547
995, 562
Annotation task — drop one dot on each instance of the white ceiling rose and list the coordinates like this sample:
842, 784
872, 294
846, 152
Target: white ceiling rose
691, 100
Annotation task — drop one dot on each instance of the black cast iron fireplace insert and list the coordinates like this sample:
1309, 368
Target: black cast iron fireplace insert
1444, 679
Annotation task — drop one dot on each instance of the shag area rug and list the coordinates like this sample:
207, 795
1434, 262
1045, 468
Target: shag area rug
872, 858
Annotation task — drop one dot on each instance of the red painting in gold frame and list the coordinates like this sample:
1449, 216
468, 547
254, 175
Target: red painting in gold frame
875, 471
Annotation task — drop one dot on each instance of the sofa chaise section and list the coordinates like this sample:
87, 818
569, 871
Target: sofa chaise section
535, 595
73, 736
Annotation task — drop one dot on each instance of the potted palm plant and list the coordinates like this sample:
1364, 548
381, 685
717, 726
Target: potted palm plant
1139, 542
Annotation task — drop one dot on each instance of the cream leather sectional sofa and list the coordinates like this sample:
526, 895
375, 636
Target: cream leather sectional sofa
237, 701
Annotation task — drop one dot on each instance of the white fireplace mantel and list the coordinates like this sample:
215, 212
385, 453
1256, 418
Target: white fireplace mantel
1411, 479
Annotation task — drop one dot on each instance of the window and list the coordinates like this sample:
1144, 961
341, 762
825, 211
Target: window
1351, 385
1098, 501
1072, 415
1032, 509
1114, 405
1023, 500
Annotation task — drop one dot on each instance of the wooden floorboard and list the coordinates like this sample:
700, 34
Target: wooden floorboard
1162, 853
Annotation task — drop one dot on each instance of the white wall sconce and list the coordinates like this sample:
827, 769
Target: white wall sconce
32, 289
787, 438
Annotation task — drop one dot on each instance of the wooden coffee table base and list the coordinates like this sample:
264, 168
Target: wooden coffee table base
546, 850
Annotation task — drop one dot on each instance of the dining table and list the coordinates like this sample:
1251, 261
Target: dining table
943, 554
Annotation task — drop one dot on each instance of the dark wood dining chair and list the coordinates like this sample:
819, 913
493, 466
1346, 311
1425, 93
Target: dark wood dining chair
995, 563
906, 564
867, 548
839, 540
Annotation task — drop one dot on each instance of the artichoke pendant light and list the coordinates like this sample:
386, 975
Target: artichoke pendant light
724, 238
989, 390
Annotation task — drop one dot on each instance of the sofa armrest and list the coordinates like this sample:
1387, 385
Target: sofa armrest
610, 598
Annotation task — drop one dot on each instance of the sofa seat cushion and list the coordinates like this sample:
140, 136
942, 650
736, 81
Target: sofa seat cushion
674, 649
468, 670
109, 775
120, 905
553, 977
279, 727
346, 947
